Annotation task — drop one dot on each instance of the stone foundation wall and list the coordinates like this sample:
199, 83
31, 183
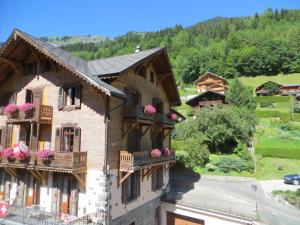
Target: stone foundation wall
142, 215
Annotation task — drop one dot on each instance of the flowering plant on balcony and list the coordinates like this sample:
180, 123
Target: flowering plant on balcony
27, 107
155, 153
172, 116
45, 154
20, 151
166, 151
149, 109
7, 153
12, 110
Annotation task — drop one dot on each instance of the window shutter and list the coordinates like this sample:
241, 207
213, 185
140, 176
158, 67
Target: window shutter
138, 184
2, 105
78, 96
34, 137
9, 136
58, 139
153, 179
3, 136
37, 96
60, 98
124, 192
77, 139
139, 98
12, 98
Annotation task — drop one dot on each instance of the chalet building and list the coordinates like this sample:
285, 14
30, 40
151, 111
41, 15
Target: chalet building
211, 82
284, 89
90, 127
207, 98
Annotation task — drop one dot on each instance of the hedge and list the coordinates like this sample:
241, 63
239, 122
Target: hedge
282, 115
273, 99
278, 152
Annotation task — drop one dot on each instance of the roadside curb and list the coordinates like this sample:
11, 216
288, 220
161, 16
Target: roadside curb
220, 177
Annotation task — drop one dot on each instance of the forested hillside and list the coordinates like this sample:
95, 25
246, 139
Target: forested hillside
266, 43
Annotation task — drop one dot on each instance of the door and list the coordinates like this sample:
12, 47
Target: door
33, 191
175, 219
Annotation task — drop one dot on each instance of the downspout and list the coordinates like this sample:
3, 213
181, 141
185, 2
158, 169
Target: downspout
106, 121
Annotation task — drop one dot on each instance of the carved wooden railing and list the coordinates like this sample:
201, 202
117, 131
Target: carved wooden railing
132, 159
60, 160
136, 112
213, 102
42, 113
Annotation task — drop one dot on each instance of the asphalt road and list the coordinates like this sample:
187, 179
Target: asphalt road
241, 190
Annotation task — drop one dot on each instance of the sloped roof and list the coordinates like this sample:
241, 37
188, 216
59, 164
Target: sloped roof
95, 71
212, 74
197, 98
290, 85
262, 85
118, 64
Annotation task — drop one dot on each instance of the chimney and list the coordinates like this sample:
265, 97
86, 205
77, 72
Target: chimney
137, 49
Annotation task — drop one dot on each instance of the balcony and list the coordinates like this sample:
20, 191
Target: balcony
212, 102
68, 162
41, 114
135, 113
131, 161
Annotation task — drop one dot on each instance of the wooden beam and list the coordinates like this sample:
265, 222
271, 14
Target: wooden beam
145, 131
36, 176
42, 175
131, 128
80, 180
122, 179
165, 135
15, 65
11, 172
170, 165
162, 78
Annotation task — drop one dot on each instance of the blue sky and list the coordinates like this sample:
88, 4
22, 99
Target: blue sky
116, 17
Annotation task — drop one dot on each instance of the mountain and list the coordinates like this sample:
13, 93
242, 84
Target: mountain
74, 39
262, 44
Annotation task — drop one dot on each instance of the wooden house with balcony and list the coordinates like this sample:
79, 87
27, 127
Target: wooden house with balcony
86, 132
211, 82
207, 98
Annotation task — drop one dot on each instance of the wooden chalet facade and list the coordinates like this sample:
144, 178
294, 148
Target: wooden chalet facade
211, 82
207, 98
90, 115
284, 89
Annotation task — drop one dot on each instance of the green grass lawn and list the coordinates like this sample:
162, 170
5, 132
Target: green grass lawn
276, 168
282, 79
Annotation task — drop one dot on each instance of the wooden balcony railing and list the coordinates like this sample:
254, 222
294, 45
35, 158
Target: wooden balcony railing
136, 112
213, 102
42, 114
61, 162
129, 160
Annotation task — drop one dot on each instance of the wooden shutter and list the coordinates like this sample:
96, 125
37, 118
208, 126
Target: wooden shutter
2, 104
34, 137
124, 191
58, 133
60, 100
37, 96
9, 136
3, 136
138, 183
12, 98
153, 181
77, 139
78, 96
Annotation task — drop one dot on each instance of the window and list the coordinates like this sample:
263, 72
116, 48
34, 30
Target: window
29, 96
158, 141
134, 140
157, 179
152, 77
68, 139
31, 68
133, 97
5, 99
69, 97
142, 72
131, 187
157, 216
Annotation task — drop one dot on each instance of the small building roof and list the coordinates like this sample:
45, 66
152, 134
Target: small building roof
210, 74
195, 100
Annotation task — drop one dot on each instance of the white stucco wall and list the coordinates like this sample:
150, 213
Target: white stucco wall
209, 218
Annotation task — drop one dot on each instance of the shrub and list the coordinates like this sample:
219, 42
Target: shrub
273, 99
278, 152
296, 108
266, 104
197, 152
228, 164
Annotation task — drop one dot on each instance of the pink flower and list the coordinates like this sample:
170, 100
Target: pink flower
7, 153
45, 154
21, 153
173, 116
27, 107
155, 153
11, 108
166, 151
150, 109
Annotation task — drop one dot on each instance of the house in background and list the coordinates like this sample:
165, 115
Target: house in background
211, 89
88, 131
207, 98
284, 89
211, 82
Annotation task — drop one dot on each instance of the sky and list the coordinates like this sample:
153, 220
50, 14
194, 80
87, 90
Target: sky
116, 17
